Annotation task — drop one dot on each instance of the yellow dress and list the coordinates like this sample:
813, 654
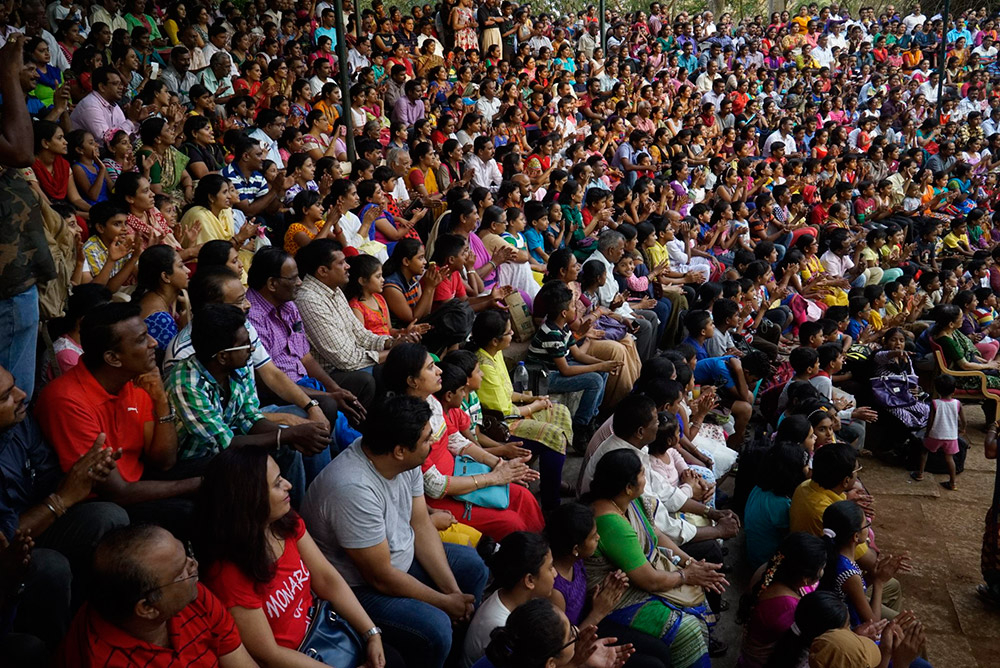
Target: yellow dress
216, 227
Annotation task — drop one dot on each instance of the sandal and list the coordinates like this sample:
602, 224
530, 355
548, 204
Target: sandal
949, 485
987, 595
918, 477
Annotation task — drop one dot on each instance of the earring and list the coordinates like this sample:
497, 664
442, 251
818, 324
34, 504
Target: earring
576, 553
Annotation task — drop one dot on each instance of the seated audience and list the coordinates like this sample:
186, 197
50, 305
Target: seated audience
409, 369
368, 516
146, 607
252, 560
116, 391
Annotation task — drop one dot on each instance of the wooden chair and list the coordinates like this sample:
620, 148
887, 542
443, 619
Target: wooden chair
981, 394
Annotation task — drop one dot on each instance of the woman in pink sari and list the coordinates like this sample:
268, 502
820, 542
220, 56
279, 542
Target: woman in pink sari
769, 610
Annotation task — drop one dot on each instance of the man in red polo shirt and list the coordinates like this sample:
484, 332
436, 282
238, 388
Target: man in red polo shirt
116, 390
148, 609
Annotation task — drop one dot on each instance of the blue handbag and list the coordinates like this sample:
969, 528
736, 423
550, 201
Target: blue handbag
331, 640
494, 496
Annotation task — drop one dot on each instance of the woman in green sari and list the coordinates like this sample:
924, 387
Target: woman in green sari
665, 597
167, 174
960, 352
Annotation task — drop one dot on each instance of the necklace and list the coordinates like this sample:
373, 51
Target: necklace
618, 508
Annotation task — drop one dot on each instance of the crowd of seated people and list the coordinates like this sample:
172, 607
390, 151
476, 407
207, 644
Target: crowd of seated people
282, 361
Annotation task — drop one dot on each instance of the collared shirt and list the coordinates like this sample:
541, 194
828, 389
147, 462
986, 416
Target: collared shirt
96, 115
206, 421
283, 333
393, 91
180, 348
484, 174
96, 254
250, 188
338, 340
179, 83
199, 634
29, 471
270, 147
212, 83
406, 111
98, 14
74, 409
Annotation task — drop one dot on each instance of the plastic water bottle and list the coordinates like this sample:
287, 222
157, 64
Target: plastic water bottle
520, 378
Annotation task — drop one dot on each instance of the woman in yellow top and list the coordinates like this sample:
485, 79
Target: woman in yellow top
422, 178
795, 38
212, 209
177, 16
814, 281
546, 428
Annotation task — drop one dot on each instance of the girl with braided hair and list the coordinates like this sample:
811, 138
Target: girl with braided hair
768, 610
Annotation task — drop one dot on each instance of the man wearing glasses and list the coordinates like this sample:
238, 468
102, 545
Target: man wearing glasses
215, 399
147, 608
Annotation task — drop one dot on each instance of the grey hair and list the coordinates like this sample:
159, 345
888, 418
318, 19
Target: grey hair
393, 156
608, 239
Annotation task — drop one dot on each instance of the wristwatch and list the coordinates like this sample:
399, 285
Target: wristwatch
371, 633
313, 403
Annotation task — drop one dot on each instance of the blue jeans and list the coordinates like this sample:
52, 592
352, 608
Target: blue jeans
420, 631
592, 383
662, 309
18, 338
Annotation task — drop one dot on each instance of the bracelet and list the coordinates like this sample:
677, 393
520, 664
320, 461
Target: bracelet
169, 417
54, 503
683, 577
277, 438
49, 506
475, 480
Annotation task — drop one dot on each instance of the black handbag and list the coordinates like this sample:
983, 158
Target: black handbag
495, 426
331, 640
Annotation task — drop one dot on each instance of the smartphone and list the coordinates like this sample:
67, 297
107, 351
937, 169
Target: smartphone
155, 70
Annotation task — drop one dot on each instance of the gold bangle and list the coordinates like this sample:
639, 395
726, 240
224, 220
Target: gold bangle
476, 481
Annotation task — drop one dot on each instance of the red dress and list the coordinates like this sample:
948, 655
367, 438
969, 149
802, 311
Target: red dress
523, 513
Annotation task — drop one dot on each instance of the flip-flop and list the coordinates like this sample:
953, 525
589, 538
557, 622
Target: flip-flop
987, 595
947, 484
917, 477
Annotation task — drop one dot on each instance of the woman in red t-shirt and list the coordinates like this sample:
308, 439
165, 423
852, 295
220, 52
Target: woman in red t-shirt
260, 561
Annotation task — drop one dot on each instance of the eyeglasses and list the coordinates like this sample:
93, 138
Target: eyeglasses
238, 302
574, 635
287, 278
858, 470
250, 347
189, 571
